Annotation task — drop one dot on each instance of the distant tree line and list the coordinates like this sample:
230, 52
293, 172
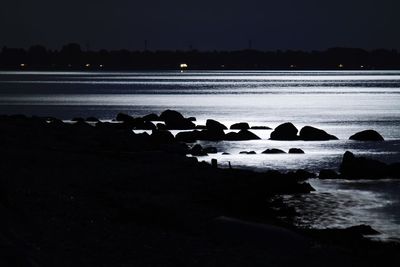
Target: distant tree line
72, 57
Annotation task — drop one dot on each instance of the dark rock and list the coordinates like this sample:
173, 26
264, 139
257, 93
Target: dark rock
328, 174
308, 133
175, 148
212, 135
210, 150
285, 131
139, 124
353, 167
78, 119
214, 125
162, 137
240, 126
175, 120
201, 127
92, 119
301, 175
214, 163
192, 119
188, 137
226, 153
124, 117
242, 135
151, 117
248, 152
367, 135
260, 128
161, 126
273, 151
197, 150
296, 151
362, 229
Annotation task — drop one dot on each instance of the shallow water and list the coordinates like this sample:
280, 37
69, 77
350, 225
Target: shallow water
340, 102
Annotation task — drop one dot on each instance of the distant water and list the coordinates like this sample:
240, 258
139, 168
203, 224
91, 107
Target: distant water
340, 102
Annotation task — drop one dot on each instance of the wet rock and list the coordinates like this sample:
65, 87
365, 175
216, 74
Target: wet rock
192, 119
362, 229
248, 152
296, 151
260, 128
162, 137
309, 133
78, 119
201, 127
197, 150
328, 174
301, 175
188, 137
226, 153
240, 126
242, 135
176, 148
214, 125
124, 117
353, 167
92, 119
151, 117
161, 126
285, 131
273, 151
175, 120
367, 135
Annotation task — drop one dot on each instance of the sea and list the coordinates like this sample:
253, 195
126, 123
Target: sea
339, 102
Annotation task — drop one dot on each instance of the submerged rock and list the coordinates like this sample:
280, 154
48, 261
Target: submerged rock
92, 119
285, 131
296, 151
367, 135
273, 151
210, 150
309, 133
240, 126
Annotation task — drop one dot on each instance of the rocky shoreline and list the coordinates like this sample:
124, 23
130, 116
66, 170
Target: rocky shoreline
93, 193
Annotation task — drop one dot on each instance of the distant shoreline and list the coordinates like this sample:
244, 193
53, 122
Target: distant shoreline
72, 57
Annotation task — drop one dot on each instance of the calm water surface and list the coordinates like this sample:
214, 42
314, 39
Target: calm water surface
341, 103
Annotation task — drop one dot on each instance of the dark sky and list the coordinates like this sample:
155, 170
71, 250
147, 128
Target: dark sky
206, 24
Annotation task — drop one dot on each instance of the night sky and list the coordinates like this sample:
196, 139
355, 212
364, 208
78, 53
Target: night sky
203, 25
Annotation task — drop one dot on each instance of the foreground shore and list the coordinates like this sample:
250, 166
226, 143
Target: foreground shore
84, 195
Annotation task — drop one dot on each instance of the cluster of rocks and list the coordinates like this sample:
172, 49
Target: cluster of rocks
287, 131
353, 167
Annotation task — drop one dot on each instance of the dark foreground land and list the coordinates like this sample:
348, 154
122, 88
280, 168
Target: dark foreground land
82, 195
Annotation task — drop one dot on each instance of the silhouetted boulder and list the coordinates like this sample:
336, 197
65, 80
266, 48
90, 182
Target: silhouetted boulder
197, 150
161, 126
151, 117
192, 119
78, 119
353, 167
273, 151
92, 119
139, 124
212, 135
242, 135
240, 126
201, 127
260, 128
296, 151
162, 137
214, 125
362, 229
175, 120
301, 175
285, 131
367, 135
124, 117
328, 174
226, 153
248, 152
308, 133
188, 137
210, 150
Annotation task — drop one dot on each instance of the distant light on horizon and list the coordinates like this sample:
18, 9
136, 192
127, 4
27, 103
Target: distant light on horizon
183, 66
22, 65
87, 65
